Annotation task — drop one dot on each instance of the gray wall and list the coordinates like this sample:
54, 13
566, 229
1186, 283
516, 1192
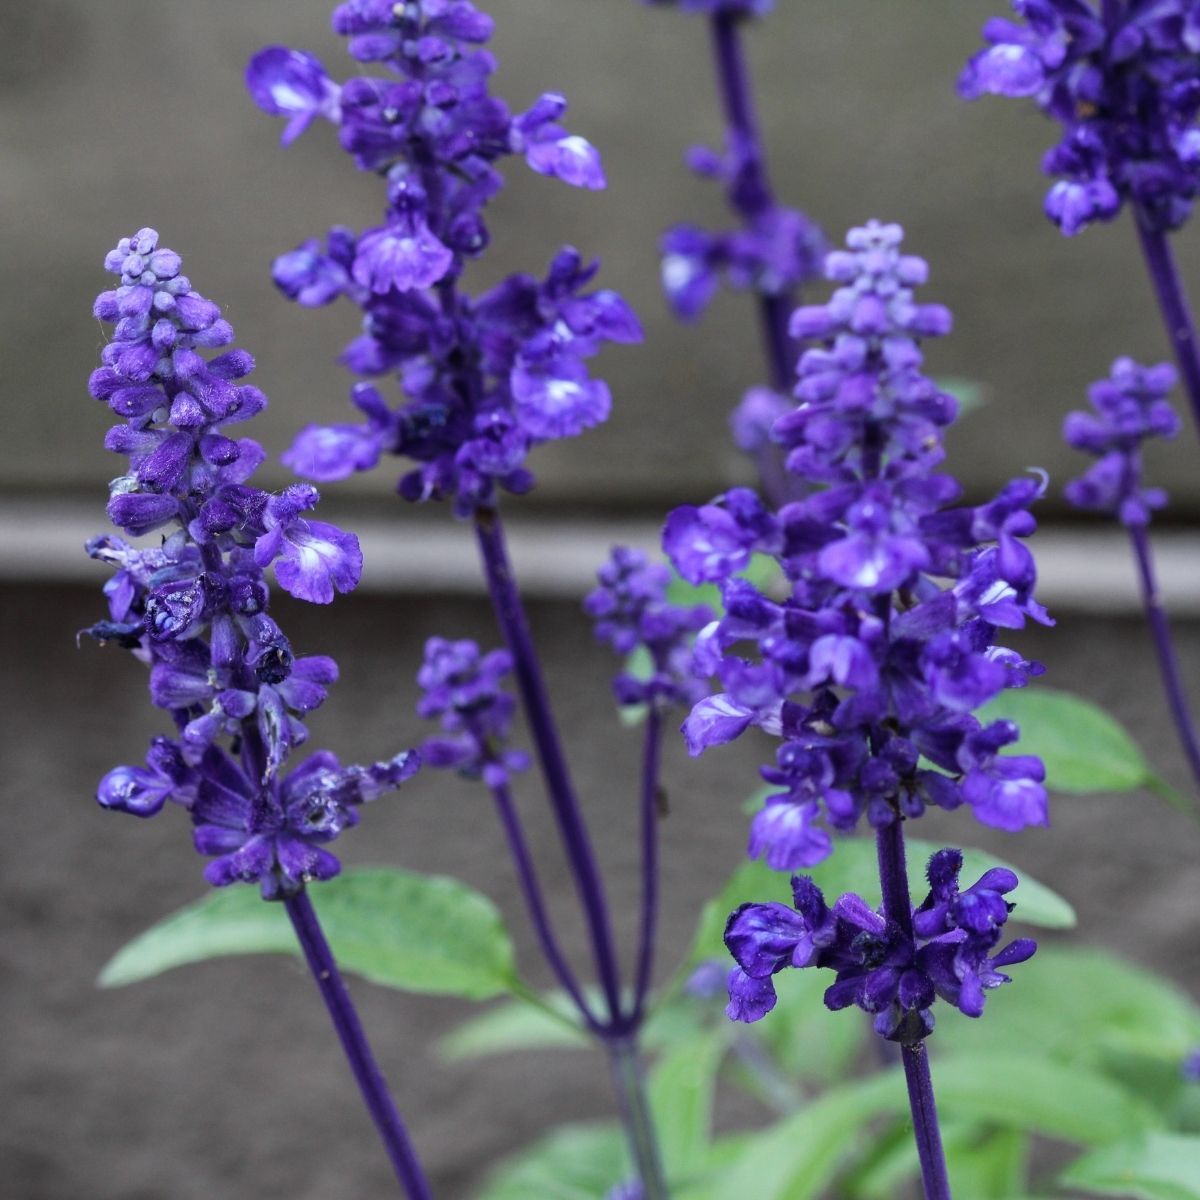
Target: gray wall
118, 113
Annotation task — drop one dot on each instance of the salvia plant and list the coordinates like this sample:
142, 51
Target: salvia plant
853, 612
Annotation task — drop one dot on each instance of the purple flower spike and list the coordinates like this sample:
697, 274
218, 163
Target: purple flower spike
1129, 407
879, 968
194, 608
484, 379
1123, 82
292, 84
463, 688
886, 640
631, 610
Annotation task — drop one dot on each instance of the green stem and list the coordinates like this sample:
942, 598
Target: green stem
636, 1117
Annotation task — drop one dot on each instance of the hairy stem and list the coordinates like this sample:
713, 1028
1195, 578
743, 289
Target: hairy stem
649, 821
1173, 303
897, 907
1164, 648
535, 902
358, 1051
510, 613
635, 1116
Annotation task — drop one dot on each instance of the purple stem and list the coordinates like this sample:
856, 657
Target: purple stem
753, 195
1173, 303
630, 1086
1168, 663
649, 815
354, 1041
510, 613
536, 904
897, 907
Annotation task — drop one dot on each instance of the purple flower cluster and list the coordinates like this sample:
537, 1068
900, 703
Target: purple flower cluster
774, 252
632, 611
463, 687
891, 972
1124, 84
194, 608
869, 670
488, 378
1130, 406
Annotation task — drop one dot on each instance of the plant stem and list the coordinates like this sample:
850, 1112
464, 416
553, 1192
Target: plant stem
354, 1042
650, 818
510, 613
897, 907
751, 197
1173, 303
1168, 663
635, 1116
535, 902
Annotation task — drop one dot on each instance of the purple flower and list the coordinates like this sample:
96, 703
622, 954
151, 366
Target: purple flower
194, 608
631, 610
1124, 85
1130, 406
886, 640
879, 967
292, 84
463, 688
484, 379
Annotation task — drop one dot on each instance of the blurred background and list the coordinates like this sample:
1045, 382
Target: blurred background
222, 1079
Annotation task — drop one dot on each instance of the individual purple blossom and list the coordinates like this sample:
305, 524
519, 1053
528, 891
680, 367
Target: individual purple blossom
881, 968
869, 670
487, 378
632, 611
1129, 407
1189, 1068
1124, 84
194, 608
463, 687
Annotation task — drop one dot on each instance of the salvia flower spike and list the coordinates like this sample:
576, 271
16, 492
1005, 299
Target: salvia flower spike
195, 608
869, 670
486, 378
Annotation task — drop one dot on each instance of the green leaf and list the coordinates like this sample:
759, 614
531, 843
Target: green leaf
681, 1090
1083, 748
517, 1025
798, 1157
1090, 1008
853, 868
575, 1162
1038, 1095
1155, 1166
421, 933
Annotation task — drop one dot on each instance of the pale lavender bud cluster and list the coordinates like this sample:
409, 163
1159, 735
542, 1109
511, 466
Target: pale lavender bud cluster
194, 607
894, 973
486, 378
1130, 406
870, 669
1123, 82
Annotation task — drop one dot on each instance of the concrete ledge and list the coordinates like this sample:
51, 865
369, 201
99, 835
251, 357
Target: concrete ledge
1081, 570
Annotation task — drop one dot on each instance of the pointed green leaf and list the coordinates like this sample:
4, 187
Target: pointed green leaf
1084, 749
575, 1162
681, 1090
1155, 1166
420, 933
